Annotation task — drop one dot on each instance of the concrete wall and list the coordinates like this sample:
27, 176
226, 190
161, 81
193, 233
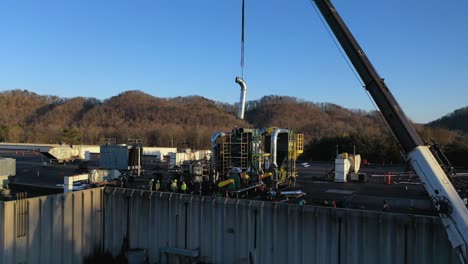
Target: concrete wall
60, 228
234, 231
65, 228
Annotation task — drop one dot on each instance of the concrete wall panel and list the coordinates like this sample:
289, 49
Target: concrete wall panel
238, 231
46, 222
50, 229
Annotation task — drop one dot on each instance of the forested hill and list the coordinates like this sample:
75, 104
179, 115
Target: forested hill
457, 120
29, 117
191, 121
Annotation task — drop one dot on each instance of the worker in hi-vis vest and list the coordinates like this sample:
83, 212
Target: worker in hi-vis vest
183, 187
151, 183
157, 186
174, 186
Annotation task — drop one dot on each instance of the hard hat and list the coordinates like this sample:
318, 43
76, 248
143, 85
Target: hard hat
175, 180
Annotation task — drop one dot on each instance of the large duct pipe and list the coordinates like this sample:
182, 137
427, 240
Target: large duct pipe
274, 143
213, 143
213, 150
241, 112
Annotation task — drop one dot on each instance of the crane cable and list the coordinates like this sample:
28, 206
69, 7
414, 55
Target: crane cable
345, 58
242, 40
337, 46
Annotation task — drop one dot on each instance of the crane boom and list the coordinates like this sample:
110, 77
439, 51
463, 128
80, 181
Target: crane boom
450, 206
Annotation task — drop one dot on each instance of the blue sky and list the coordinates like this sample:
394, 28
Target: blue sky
170, 48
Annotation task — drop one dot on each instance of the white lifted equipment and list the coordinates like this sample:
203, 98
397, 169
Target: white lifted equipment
347, 167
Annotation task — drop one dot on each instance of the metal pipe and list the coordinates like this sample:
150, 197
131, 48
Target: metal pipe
274, 145
213, 141
241, 112
296, 192
213, 145
225, 183
266, 175
245, 130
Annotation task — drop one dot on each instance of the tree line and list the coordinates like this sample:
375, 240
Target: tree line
191, 121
